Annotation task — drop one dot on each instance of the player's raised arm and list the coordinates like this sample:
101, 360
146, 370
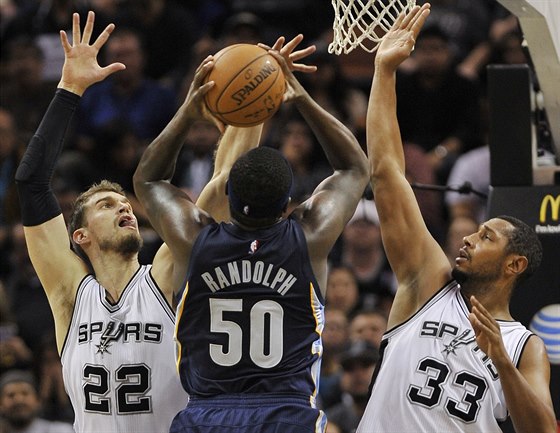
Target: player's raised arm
334, 201
416, 258
58, 268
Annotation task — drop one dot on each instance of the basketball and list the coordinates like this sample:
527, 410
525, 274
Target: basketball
249, 85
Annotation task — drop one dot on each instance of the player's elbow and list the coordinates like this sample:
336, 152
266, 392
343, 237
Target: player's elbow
139, 182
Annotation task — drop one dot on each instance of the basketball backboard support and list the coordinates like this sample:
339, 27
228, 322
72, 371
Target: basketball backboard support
540, 24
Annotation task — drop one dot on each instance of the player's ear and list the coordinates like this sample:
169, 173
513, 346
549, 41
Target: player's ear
516, 264
80, 236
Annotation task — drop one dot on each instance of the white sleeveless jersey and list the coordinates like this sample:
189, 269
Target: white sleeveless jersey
118, 361
434, 378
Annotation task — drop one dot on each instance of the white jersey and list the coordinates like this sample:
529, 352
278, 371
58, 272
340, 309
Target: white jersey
434, 378
118, 361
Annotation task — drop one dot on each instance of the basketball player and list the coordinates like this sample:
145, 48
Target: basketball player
114, 323
453, 359
251, 314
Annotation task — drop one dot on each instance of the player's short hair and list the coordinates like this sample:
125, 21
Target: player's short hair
77, 219
524, 241
259, 185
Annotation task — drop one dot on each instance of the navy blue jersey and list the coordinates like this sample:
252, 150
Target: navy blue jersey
251, 315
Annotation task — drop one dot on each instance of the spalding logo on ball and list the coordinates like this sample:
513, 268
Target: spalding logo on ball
546, 324
249, 85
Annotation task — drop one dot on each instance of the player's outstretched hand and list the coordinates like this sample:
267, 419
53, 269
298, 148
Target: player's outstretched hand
399, 41
291, 56
81, 68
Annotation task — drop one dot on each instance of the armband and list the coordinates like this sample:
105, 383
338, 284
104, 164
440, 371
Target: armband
34, 173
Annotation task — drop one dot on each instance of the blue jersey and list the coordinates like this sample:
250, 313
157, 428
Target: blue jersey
251, 315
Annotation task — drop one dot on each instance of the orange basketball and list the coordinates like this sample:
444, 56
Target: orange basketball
249, 85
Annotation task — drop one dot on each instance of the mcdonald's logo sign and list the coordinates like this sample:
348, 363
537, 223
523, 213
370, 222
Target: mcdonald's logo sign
550, 202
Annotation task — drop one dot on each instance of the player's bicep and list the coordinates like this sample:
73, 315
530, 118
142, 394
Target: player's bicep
535, 368
56, 265
164, 273
330, 207
170, 212
411, 250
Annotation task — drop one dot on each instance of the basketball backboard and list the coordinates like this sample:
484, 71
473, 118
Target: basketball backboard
540, 24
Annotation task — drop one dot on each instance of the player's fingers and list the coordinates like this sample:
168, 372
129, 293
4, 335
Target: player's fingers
420, 19
112, 68
205, 88
207, 60
476, 303
102, 38
75, 28
300, 54
472, 319
217, 122
88, 29
300, 67
266, 47
487, 321
409, 17
64, 41
281, 60
277, 45
203, 69
289, 47
398, 22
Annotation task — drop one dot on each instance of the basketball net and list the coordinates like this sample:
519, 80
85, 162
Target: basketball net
364, 23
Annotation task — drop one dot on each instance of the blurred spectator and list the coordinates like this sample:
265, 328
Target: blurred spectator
11, 150
467, 22
242, 28
288, 17
25, 92
66, 194
29, 303
8, 11
358, 364
472, 167
342, 289
196, 160
473, 26
335, 342
117, 150
20, 407
107, 8
127, 96
54, 400
421, 174
169, 31
42, 21
14, 353
459, 227
368, 325
224, 30
506, 49
362, 251
298, 145
438, 109
333, 91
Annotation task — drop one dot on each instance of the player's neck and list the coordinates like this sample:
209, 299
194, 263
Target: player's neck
113, 271
495, 302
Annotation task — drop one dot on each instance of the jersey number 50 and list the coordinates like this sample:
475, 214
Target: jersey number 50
266, 319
